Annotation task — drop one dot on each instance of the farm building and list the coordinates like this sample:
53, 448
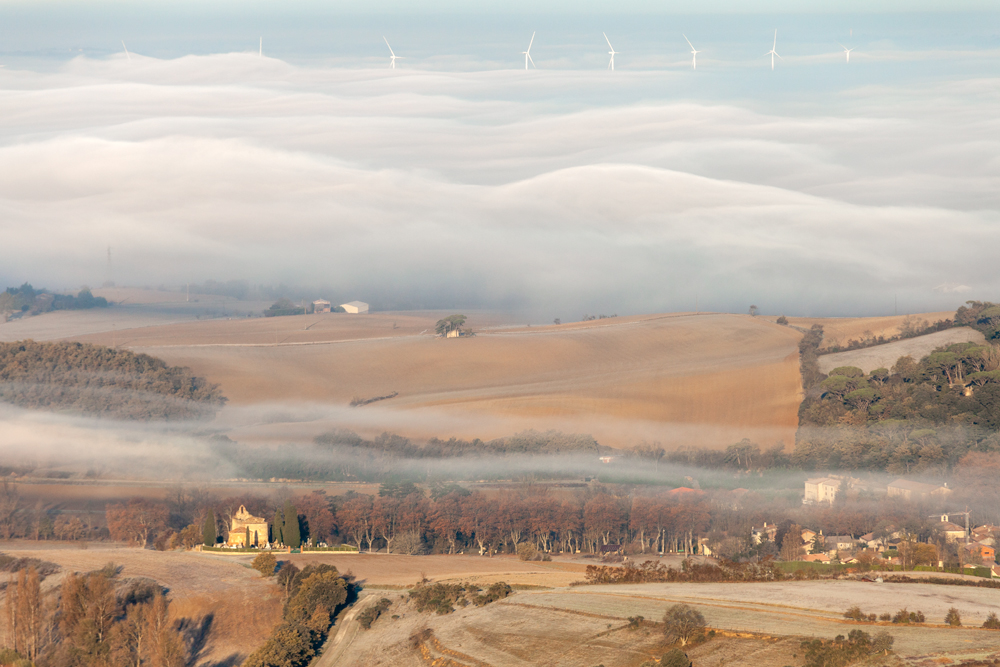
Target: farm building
355, 307
247, 529
908, 490
321, 306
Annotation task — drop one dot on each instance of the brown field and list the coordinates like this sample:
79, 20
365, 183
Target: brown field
238, 606
759, 624
677, 379
680, 379
840, 330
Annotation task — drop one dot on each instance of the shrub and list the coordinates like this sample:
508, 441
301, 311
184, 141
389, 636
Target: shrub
782, 320
265, 564
855, 614
439, 598
371, 613
634, 622
992, 622
675, 658
953, 618
885, 617
496, 591
527, 551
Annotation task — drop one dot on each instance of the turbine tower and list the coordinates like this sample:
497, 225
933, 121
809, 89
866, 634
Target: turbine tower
127, 55
694, 53
392, 56
773, 52
847, 51
611, 65
527, 54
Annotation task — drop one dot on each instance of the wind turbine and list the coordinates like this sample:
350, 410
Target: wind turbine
527, 54
611, 65
847, 51
694, 53
392, 56
126, 51
772, 52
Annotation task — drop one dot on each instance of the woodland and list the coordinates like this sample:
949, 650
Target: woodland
917, 417
26, 299
103, 382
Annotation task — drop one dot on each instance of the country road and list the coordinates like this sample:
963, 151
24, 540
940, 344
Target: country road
344, 632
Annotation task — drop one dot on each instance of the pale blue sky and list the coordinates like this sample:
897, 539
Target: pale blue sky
821, 187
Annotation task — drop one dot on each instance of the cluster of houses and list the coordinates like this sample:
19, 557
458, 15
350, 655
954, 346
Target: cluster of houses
826, 489
978, 546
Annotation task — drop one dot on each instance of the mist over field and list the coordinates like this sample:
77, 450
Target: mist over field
60, 446
819, 188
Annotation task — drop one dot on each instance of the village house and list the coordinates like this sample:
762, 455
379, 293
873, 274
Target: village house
767, 533
321, 306
837, 544
952, 532
825, 489
247, 530
908, 490
980, 553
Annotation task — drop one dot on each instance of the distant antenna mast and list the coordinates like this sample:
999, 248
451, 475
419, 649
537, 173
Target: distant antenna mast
111, 274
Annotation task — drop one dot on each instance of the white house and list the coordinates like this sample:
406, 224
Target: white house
355, 307
321, 306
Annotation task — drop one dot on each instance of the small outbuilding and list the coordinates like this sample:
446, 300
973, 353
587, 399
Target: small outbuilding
321, 306
355, 307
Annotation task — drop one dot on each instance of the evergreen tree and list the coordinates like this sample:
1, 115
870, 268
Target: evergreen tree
293, 537
208, 534
277, 528
246, 542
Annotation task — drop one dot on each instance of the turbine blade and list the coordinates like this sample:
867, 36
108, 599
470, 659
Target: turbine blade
387, 44
779, 56
126, 51
775, 40
688, 41
608, 41
531, 42
532, 61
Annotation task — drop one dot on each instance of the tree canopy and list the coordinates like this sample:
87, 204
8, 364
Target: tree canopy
103, 382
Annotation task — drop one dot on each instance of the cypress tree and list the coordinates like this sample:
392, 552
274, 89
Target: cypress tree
208, 534
293, 538
277, 527
246, 542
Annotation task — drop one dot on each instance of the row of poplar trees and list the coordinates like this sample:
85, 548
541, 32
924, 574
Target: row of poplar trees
284, 530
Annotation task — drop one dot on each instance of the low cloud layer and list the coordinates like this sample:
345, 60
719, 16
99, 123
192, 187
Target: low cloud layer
555, 193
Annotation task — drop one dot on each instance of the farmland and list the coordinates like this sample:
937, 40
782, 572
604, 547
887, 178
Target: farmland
587, 625
677, 379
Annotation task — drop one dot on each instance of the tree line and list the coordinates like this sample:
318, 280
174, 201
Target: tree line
97, 619
404, 518
26, 299
103, 382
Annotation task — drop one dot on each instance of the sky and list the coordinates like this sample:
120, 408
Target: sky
823, 187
